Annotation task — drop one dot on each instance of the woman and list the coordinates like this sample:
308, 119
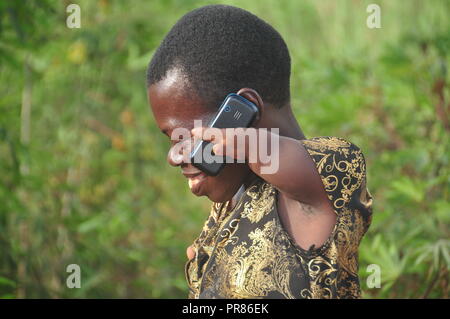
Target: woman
293, 233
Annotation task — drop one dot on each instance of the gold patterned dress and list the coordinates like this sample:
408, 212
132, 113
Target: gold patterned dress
246, 253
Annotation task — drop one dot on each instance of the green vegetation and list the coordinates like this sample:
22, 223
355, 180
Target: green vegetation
82, 163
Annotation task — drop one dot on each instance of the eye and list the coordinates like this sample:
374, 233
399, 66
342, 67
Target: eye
177, 134
176, 139
166, 133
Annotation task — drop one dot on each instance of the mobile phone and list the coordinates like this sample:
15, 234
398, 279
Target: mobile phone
235, 111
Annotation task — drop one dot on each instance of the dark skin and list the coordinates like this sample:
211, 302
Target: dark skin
303, 206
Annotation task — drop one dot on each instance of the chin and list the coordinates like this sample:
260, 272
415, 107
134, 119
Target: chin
218, 196
223, 187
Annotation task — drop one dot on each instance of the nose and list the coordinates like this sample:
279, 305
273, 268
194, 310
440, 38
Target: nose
179, 152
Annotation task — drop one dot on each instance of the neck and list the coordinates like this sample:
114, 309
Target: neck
285, 121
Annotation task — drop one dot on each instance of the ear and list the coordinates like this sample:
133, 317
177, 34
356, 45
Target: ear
255, 98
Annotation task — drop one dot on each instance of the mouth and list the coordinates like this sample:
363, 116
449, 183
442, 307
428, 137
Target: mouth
195, 180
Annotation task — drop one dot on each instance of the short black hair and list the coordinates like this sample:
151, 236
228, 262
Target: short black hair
221, 49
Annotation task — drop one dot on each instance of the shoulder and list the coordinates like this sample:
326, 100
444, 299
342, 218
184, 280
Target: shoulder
331, 144
340, 164
341, 153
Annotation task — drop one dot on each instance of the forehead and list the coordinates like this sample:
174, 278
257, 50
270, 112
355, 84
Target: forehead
174, 105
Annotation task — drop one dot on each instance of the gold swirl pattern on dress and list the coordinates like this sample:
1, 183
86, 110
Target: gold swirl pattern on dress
246, 252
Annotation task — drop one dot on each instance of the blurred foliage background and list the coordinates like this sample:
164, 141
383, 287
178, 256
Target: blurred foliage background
82, 163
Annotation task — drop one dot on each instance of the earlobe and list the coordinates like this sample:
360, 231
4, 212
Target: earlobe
254, 97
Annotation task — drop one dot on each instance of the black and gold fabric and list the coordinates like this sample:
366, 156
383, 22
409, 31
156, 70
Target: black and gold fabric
246, 253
